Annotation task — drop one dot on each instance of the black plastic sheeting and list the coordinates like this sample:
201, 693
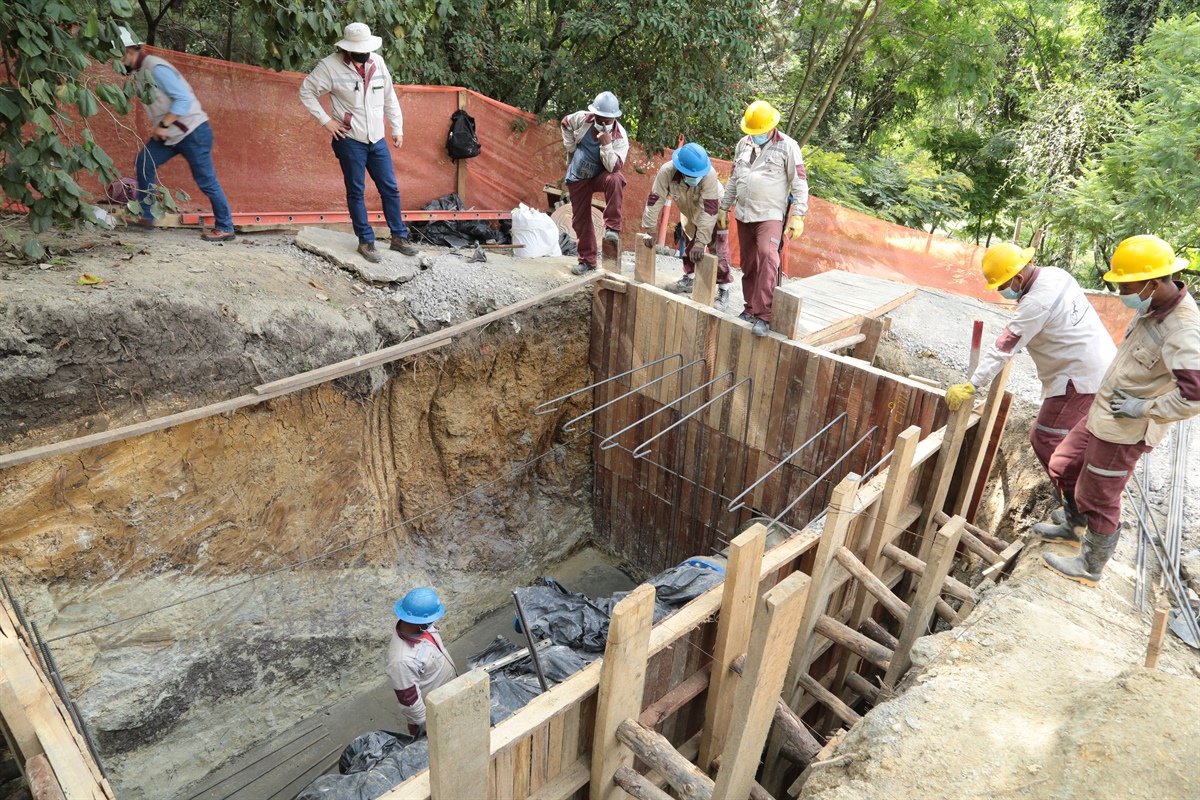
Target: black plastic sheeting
461, 233
577, 627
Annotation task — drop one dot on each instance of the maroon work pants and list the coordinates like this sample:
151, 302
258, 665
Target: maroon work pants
758, 243
1055, 420
1095, 473
719, 246
612, 184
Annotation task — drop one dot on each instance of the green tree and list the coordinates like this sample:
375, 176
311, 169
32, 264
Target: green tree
46, 45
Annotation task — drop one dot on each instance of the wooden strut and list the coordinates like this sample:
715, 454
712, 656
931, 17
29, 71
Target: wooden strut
897, 607
803, 744
993, 542
656, 751
873, 630
853, 641
757, 792
637, 785
863, 687
951, 586
1157, 631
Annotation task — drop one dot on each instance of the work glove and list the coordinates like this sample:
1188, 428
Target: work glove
648, 240
957, 394
795, 228
1126, 405
722, 220
696, 253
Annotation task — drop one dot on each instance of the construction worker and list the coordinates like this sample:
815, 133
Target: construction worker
689, 179
1153, 381
362, 95
417, 661
1070, 348
180, 128
767, 168
596, 148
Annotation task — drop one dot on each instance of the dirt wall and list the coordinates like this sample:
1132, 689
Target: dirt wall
436, 457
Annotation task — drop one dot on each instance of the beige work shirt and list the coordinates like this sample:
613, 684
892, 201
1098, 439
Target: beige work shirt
762, 178
612, 155
699, 203
1062, 332
359, 102
1159, 359
416, 667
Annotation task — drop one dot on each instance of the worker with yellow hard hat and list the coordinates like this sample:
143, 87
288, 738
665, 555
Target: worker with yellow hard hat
768, 187
1153, 382
1069, 345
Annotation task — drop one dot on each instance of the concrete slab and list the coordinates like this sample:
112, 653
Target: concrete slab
342, 249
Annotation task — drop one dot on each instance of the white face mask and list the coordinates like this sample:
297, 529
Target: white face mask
690, 181
600, 127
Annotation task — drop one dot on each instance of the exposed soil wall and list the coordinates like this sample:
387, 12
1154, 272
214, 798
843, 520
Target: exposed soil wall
436, 455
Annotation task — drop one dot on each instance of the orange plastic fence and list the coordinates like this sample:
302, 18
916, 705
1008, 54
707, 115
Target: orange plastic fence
271, 155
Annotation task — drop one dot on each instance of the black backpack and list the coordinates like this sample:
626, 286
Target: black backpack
461, 141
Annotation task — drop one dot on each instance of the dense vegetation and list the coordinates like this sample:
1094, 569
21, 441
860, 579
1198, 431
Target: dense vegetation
1080, 117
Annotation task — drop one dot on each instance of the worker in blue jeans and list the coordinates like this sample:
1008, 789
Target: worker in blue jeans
180, 128
362, 95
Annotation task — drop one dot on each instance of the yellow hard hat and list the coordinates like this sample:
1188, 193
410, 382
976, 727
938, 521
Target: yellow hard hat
1140, 258
760, 117
1002, 261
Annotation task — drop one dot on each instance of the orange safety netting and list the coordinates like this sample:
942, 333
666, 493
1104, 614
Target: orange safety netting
271, 156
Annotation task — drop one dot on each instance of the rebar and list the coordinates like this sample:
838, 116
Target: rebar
1170, 569
610, 442
567, 425
542, 409
735, 504
695, 411
870, 434
533, 653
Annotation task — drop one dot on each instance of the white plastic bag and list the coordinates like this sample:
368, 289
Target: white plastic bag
535, 232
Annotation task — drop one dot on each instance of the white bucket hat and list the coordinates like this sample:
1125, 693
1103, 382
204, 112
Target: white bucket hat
127, 37
357, 38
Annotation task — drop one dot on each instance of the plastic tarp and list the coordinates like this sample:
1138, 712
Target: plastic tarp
371, 765
460, 233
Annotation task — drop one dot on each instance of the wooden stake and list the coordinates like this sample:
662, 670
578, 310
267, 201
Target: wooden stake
803, 743
704, 282
1157, 631
654, 749
951, 586
979, 533
876, 632
637, 786
733, 635
854, 641
644, 259
622, 683
879, 589
972, 470
943, 473
778, 615
785, 313
864, 688
874, 328
610, 254
459, 738
941, 557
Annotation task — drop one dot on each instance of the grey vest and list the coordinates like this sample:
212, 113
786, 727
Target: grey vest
195, 116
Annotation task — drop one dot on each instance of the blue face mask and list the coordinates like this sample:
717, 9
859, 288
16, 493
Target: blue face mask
1009, 293
690, 181
1136, 302
761, 139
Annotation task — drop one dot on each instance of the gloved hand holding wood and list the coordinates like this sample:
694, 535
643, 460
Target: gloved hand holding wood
722, 220
696, 253
795, 228
959, 393
1126, 405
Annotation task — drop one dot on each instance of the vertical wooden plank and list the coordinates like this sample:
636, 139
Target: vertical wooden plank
460, 165
785, 313
522, 752
571, 744
502, 775
622, 682
459, 737
973, 461
704, 286
758, 692
764, 367
644, 259
554, 747
941, 557
1157, 631
874, 329
733, 637
539, 758
610, 255
943, 473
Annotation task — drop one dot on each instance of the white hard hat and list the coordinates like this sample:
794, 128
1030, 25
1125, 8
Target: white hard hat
605, 105
128, 39
357, 38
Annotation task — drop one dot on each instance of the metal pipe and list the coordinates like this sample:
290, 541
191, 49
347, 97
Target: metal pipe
608, 443
567, 426
533, 653
689, 415
1170, 571
735, 505
832, 467
540, 410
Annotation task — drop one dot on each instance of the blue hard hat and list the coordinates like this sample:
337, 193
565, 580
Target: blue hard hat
691, 160
420, 607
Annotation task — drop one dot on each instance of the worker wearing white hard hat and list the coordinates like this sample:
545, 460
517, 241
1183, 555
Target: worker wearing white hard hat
597, 146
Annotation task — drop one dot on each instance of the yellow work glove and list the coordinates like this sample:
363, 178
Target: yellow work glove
958, 393
795, 228
722, 220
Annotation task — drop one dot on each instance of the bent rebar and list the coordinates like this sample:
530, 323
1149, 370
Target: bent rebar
735, 505
540, 410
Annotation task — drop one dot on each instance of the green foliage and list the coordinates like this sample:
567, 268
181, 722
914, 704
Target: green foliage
46, 46
1147, 178
986, 163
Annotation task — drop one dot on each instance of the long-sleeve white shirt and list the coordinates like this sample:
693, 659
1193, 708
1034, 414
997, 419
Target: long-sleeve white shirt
1062, 332
416, 667
359, 101
763, 177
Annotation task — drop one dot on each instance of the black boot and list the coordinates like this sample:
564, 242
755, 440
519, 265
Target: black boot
1066, 525
1094, 552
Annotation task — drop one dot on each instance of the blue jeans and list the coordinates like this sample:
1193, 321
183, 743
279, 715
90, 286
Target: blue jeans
357, 158
196, 148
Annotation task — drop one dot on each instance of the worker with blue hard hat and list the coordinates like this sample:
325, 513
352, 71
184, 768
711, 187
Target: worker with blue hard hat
417, 661
689, 180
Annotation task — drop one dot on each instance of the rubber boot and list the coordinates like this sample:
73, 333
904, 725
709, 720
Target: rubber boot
1094, 552
1066, 526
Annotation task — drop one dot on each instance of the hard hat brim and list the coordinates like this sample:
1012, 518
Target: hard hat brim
418, 619
690, 173
1026, 256
753, 131
607, 115
1178, 264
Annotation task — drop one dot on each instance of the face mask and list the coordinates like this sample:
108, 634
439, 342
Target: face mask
360, 58
600, 127
1136, 302
760, 139
690, 181
1009, 293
